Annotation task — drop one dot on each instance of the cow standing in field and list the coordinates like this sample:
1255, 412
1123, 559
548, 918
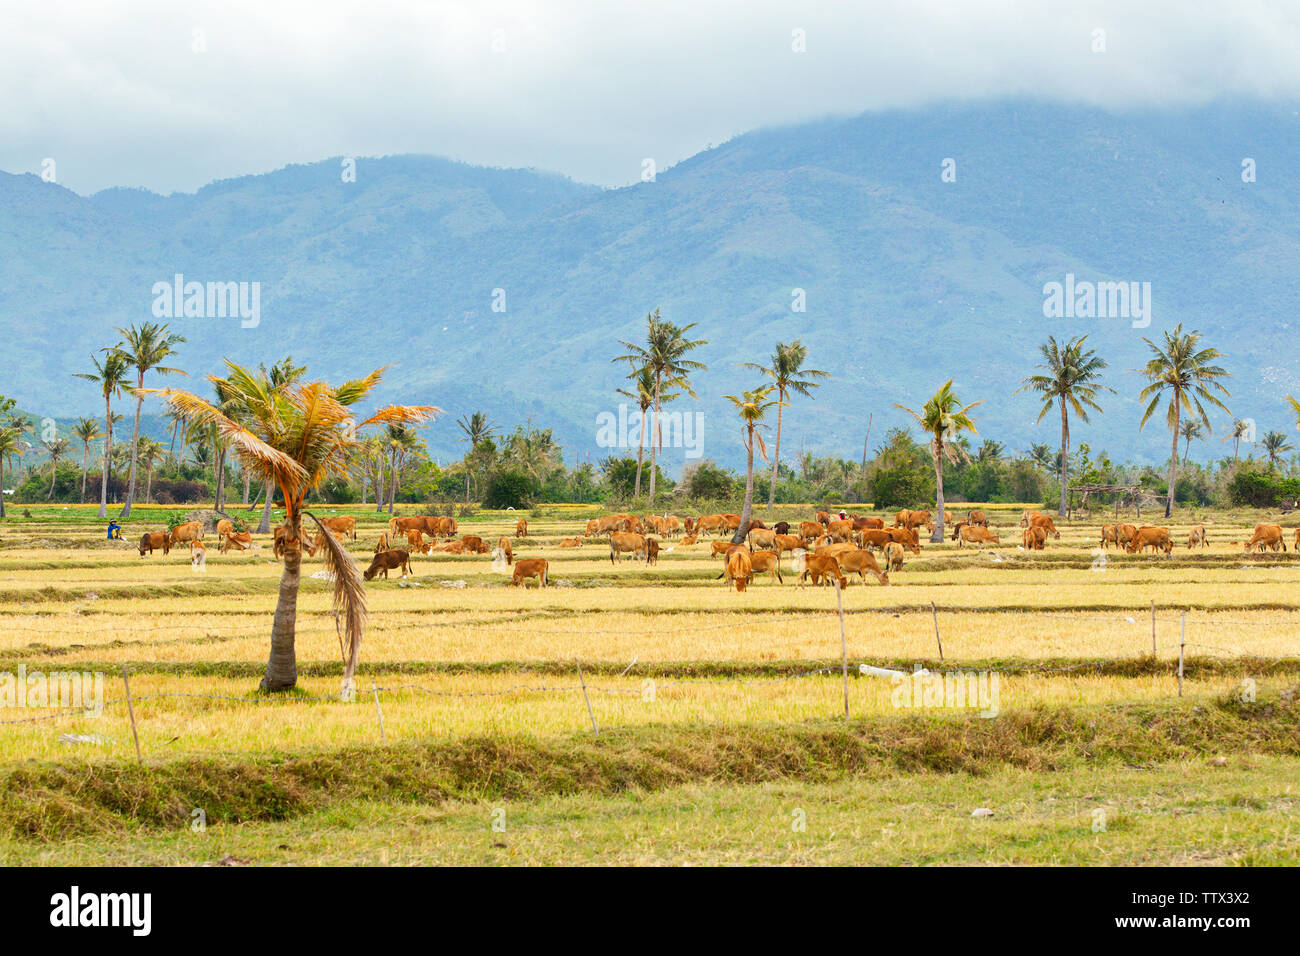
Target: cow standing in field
627, 541
503, 545
343, 525
819, 566
973, 534
1197, 537
1109, 535
860, 563
893, 556
155, 539
1149, 536
1266, 536
387, 561
977, 518
740, 570
198, 557
529, 568
189, 531
235, 539
521, 528
1035, 538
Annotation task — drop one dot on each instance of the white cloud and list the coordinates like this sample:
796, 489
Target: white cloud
117, 95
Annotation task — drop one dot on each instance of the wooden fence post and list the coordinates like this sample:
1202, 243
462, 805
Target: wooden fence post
590, 713
844, 647
935, 614
1182, 643
131, 711
1153, 628
383, 737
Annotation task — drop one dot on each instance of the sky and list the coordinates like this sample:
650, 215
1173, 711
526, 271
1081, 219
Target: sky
171, 95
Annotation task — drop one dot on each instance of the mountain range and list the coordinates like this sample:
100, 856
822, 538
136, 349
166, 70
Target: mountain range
919, 243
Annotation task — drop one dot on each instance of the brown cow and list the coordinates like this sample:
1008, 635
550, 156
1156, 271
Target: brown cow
224, 527
973, 534
570, 543
977, 518
1109, 535
529, 568
521, 528
1149, 536
762, 539
415, 542
787, 542
1035, 539
810, 529
840, 530
823, 518
1197, 536
447, 527
343, 525
1266, 536
235, 539
722, 548
386, 561
1045, 522
740, 569
593, 528
473, 544
1124, 533
651, 550
620, 541
732, 522
671, 525
818, 566
382, 543
503, 545
907, 537
862, 562
405, 524
781, 527
893, 556
865, 522
688, 540
189, 531
766, 562
155, 539
452, 547
956, 530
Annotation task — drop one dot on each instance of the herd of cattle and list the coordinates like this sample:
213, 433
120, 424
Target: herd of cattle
824, 550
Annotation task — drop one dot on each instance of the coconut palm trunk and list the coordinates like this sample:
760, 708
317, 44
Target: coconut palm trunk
282, 665
85, 455
653, 456
747, 510
640, 456
108, 454
1173, 459
1065, 456
776, 455
135, 445
264, 526
936, 452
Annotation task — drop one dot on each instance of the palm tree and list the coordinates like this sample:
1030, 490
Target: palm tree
664, 354
991, 451
1239, 430
145, 349
752, 407
477, 428
785, 372
1183, 370
1070, 380
1189, 430
149, 452
87, 430
1040, 454
112, 377
11, 444
400, 441
943, 418
1274, 445
645, 398
298, 436
56, 448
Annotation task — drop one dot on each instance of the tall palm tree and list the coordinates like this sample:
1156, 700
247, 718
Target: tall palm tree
86, 430
1275, 444
664, 354
298, 436
477, 429
1239, 430
11, 444
112, 376
752, 408
1181, 368
1041, 455
645, 398
788, 375
943, 418
1189, 430
1070, 380
150, 452
56, 448
400, 441
145, 349
991, 451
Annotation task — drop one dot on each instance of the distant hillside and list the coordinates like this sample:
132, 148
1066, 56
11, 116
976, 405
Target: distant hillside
908, 279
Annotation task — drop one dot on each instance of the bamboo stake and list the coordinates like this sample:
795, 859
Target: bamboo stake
130, 709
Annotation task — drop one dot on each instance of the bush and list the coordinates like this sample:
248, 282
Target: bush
901, 486
509, 489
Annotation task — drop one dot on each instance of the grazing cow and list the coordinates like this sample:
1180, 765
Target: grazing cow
415, 541
865, 522
1045, 522
721, 547
893, 556
1197, 536
689, 540
342, 525
503, 545
762, 539
224, 526
198, 556
651, 550
688, 524
907, 537
621, 541
382, 543
974, 534
521, 528
1266, 536
235, 539
787, 542
977, 518
189, 531
570, 543
529, 568
1024, 518
837, 548
593, 528
783, 527
403, 525
452, 547
447, 527
155, 539
956, 530
901, 518
671, 525
740, 569
474, 544
731, 522
818, 566
766, 562
1035, 539
386, 561
840, 530
824, 518
1124, 533
810, 529
860, 562
1149, 536
1109, 535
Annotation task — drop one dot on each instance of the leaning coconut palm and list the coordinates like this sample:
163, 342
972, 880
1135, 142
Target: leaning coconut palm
944, 418
56, 448
86, 430
298, 436
788, 375
1190, 430
752, 409
1241, 428
1070, 381
1182, 369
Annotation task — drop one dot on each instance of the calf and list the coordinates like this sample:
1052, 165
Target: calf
740, 570
570, 542
529, 568
386, 561
198, 556
521, 528
893, 556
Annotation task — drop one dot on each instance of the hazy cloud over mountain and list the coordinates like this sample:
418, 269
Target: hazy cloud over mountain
157, 94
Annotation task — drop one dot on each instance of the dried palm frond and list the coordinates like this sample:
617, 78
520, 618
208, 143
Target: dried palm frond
349, 594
